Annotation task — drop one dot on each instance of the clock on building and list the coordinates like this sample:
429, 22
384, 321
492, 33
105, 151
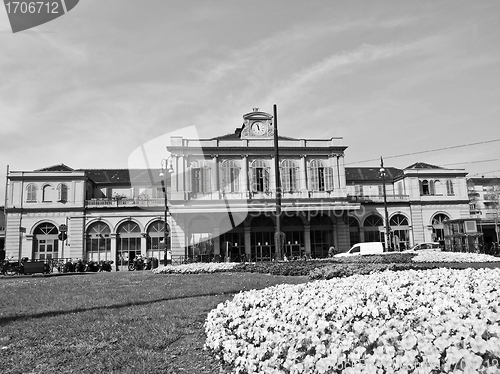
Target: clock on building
258, 128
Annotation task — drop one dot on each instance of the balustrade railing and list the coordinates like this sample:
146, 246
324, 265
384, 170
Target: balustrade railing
125, 202
378, 198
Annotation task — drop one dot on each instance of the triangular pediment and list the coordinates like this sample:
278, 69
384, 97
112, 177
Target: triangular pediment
60, 167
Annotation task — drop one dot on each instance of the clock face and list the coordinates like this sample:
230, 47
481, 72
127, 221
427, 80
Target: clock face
258, 128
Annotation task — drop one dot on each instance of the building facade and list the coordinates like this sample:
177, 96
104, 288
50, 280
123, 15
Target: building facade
484, 204
221, 198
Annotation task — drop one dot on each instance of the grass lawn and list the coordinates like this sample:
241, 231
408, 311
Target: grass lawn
123, 322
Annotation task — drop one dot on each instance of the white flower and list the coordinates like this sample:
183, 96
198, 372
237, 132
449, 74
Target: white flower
435, 320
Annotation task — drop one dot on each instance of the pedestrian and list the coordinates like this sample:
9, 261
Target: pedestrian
331, 251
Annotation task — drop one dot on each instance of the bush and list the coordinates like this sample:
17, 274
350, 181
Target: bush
346, 270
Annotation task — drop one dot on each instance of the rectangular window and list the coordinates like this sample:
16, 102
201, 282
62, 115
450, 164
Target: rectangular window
260, 180
321, 179
196, 180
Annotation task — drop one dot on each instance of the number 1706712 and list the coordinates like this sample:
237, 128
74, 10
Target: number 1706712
32, 7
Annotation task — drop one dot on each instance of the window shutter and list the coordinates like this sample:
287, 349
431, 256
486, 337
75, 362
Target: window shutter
314, 176
285, 179
294, 185
421, 188
266, 179
449, 187
328, 179
252, 177
235, 179
223, 177
206, 179
432, 191
189, 180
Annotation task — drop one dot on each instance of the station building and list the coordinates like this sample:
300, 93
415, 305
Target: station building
221, 198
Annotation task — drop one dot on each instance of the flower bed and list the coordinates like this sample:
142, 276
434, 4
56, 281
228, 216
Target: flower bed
196, 268
457, 257
347, 270
432, 321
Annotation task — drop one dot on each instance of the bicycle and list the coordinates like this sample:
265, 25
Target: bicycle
9, 268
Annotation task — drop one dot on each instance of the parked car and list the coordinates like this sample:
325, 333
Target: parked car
370, 248
427, 246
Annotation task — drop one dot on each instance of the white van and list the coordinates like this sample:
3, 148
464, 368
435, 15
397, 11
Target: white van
363, 249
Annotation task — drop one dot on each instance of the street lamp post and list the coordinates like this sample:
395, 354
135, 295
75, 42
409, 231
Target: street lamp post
167, 167
387, 228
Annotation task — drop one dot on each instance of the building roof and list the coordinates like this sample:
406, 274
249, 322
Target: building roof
60, 167
495, 181
370, 173
124, 176
423, 165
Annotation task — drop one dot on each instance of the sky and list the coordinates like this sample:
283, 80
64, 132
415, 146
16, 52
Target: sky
411, 81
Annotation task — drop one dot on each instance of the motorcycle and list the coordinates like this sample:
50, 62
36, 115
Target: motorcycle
136, 264
79, 266
92, 266
9, 267
105, 265
69, 267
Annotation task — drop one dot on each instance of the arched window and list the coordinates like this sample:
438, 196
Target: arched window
288, 174
400, 232
98, 242
259, 176
62, 190
372, 226
354, 234
438, 188
432, 190
438, 226
424, 187
155, 238
449, 187
199, 180
45, 241
399, 220
31, 191
46, 193
229, 176
321, 176
128, 244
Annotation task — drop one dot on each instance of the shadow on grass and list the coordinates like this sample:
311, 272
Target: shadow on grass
8, 319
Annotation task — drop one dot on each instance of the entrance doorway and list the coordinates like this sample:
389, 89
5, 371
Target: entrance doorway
128, 245
45, 245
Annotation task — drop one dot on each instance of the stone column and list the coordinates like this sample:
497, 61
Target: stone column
215, 172
182, 174
335, 233
174, 176
341, 171
114, 254
303, 175
144, 244
245, 175
336, 177
248, 242
307, 239
216, 242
